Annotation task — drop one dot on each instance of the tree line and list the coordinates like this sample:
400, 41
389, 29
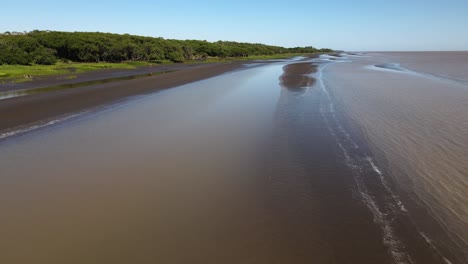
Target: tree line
48, 47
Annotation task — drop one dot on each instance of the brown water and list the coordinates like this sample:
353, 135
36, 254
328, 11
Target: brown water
451, 65
234, 169
415, 118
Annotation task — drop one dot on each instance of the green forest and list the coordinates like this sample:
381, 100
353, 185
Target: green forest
50, 47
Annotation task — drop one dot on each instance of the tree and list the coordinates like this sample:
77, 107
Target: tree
45, 47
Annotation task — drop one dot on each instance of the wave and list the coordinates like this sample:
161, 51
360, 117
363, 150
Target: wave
43, 124
397, 68
358, 164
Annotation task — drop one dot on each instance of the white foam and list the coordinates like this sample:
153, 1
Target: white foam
374, 167
431, 244
385, 184
401, 206
446, 260
393, 244
24, 130
100, 109
397, 68
344, 141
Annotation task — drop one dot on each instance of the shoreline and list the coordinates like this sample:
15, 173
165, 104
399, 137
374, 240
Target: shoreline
44, 81
25, 110
95, 75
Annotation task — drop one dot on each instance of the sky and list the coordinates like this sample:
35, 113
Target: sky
352, 25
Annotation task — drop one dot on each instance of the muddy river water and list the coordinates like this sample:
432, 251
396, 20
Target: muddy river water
352, 163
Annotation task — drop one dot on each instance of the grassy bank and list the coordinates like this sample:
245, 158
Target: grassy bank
251, 58
21, 73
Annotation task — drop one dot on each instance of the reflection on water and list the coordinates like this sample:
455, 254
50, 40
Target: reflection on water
314, 188
233, 169
170, 179
240, 168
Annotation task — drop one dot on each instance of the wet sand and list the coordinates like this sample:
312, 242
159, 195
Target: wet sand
24, 110
53, 80
297, 75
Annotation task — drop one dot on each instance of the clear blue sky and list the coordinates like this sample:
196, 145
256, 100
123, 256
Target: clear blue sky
345, 24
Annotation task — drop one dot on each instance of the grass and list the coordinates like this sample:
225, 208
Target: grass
272, 57
18, 73
249, 58
21, 73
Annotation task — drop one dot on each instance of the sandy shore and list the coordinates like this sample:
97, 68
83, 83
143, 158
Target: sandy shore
24, 110
296, 75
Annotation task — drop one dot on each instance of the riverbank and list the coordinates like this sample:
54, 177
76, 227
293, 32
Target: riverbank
25, 110
72, 76
19, 77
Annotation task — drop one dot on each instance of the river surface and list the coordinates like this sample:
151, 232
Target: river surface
363, 164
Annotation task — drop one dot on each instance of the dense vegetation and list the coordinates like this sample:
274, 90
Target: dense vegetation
47, 47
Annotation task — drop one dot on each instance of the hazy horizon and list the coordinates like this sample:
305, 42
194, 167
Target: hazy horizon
335, 24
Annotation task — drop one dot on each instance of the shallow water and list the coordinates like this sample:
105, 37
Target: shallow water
449, 64
413, 115
232, 169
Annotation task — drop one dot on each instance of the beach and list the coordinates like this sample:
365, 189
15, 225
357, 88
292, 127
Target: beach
22, 111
